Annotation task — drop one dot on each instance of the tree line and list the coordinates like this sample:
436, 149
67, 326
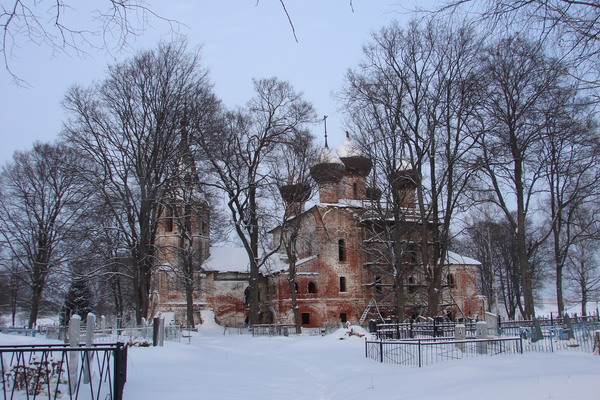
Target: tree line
498, 134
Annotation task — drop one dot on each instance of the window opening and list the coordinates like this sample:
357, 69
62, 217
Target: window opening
378, 287
312, 287
305, 318
169, 221
342, 283
343, 317
450, 279
411, 285
341, 250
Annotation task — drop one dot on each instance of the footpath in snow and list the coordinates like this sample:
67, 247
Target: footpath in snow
217, 366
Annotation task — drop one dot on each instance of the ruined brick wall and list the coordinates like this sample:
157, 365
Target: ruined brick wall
167, 289
225, 295
469, 302
337, 272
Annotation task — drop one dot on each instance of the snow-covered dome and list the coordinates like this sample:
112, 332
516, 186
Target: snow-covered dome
328, 156
354, 160
404, 165
329, 167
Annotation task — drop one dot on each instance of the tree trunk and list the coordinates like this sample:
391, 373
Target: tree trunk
36, 297
189, 290
400, 295
254, 316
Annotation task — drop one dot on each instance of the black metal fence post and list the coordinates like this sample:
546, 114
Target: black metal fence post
381, 350
419, 346
120, 370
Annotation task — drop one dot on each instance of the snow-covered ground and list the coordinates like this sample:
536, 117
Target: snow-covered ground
217, 366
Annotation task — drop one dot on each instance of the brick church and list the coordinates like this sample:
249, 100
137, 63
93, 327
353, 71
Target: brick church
340, 275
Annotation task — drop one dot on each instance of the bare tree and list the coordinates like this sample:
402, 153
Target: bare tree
491, 241
238, 157
128, 129
582, 277
569, 26
570, 155
186, 212
42, 207
412, 102
109, 25
291, 171
521, 85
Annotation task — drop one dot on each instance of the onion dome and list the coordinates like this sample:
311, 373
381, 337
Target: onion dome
404, 176
354, 160
329, 168
373, 193
295, 192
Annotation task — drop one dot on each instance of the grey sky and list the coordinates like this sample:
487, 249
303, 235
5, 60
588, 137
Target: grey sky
240, 41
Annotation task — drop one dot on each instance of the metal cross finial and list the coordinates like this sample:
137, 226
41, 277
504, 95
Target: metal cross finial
325, 122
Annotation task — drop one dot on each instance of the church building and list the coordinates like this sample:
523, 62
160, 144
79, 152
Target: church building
341, 274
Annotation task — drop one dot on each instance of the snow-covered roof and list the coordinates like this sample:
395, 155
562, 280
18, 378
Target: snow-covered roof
348, 148
328, 156
278, 262
227, 259
403, 165
457, 259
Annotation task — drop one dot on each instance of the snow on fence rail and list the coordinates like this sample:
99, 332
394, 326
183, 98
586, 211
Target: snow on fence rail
423, 352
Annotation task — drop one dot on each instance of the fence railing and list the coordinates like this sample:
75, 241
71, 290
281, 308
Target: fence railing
18, 331
423, 352
138, 335
273, 329
56, 371
423, 330
433, 328
558, 338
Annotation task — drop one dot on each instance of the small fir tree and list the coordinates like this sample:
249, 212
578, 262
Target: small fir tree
79, 301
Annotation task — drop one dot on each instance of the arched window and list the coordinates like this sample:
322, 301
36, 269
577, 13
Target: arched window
296, 286
341, 250
312, 287
355, 190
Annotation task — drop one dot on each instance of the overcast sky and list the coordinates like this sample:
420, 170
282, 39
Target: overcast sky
240, 41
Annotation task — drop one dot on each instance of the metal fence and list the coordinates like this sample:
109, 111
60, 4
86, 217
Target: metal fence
558, 338
273, 329
415, 351
546, 325
58, 371
423, 352
18, 331
420, 330
136, 336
